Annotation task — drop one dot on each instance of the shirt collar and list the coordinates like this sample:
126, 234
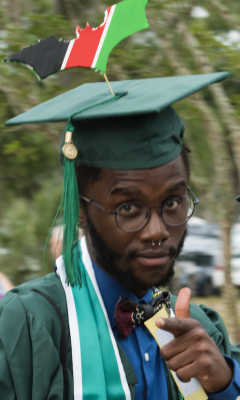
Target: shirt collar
111, 289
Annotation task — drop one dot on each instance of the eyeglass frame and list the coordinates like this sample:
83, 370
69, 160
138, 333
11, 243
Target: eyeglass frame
195, 202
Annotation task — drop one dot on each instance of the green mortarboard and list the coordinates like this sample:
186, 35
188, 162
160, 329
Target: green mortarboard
238, 198
139, 112
134, 129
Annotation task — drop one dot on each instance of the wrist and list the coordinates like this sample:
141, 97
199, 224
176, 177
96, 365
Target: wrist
227, 377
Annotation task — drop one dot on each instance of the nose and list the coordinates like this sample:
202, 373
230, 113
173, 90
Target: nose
155, 229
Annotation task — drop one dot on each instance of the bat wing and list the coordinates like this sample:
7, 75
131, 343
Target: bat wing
44, 57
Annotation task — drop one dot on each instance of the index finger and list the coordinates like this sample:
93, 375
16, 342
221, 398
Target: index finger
176, 326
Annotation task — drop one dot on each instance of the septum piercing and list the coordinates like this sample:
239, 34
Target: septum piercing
153, 243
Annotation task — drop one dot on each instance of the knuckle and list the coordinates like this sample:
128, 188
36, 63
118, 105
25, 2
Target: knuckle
199, 334
203, 348
183, 376
206, 363
181, 322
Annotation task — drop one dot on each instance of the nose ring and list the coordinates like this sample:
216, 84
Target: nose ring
153, 243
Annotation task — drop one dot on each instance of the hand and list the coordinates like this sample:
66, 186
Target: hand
192, 353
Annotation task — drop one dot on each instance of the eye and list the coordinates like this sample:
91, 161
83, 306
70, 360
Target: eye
129, 210
172, 204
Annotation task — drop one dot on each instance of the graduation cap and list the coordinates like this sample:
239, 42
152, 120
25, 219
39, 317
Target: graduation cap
238, 198
135, 129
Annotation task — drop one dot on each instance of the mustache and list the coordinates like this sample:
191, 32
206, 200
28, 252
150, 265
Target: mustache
172, 252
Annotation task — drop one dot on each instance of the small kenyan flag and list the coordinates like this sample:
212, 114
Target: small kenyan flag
92, 46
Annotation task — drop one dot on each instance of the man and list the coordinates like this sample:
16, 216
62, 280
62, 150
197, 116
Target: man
132, 174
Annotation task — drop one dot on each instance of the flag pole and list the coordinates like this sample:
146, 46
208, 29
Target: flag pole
106, 79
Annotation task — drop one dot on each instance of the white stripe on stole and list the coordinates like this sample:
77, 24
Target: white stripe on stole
68, 52
103, 36
88, 265
74, 333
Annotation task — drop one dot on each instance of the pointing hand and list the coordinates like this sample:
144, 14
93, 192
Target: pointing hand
192, 353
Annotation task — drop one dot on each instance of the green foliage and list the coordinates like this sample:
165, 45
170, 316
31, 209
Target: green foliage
196, 137
29, 158
235, 100
38, 26
21, 153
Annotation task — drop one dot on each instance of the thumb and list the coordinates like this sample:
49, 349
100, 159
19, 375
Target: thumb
182, 307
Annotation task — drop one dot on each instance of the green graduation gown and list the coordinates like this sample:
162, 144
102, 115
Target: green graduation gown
30, 334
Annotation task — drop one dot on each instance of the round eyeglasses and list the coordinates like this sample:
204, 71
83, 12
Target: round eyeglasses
134, 215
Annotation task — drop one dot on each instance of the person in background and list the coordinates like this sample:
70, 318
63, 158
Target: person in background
56, 240
5, 285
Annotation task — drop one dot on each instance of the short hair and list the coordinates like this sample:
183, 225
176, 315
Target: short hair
88, 175
185, 155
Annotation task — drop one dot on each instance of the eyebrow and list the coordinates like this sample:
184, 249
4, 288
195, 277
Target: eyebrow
126, 191
133, 191
176, 187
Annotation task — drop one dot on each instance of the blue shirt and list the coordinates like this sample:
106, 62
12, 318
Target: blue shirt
143, 351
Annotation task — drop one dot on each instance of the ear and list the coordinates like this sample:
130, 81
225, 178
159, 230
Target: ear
82, 218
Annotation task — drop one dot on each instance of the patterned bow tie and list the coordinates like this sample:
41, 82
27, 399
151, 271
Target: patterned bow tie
129, 314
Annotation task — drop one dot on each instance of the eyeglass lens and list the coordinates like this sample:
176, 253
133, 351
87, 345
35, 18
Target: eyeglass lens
133, 216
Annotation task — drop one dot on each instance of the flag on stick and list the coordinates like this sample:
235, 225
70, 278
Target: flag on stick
92, 46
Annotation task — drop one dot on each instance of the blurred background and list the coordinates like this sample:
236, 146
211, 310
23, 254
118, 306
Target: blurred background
185, 37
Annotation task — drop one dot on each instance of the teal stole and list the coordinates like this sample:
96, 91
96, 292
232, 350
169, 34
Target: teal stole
98, 372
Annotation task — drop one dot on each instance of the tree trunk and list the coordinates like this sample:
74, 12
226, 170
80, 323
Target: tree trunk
229, 294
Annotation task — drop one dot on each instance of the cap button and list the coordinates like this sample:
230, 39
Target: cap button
69, 150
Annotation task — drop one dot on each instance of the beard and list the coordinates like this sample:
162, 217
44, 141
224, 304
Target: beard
106, 259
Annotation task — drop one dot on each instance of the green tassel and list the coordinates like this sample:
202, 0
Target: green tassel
71, 253
71, 225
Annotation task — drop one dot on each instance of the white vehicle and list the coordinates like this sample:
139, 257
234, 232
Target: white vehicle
195, 270
201, 255
203, 237
218, 275
235, 239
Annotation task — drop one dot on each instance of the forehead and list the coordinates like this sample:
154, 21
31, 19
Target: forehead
147, 181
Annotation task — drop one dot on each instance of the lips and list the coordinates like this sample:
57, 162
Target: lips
153, 254
153, 258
